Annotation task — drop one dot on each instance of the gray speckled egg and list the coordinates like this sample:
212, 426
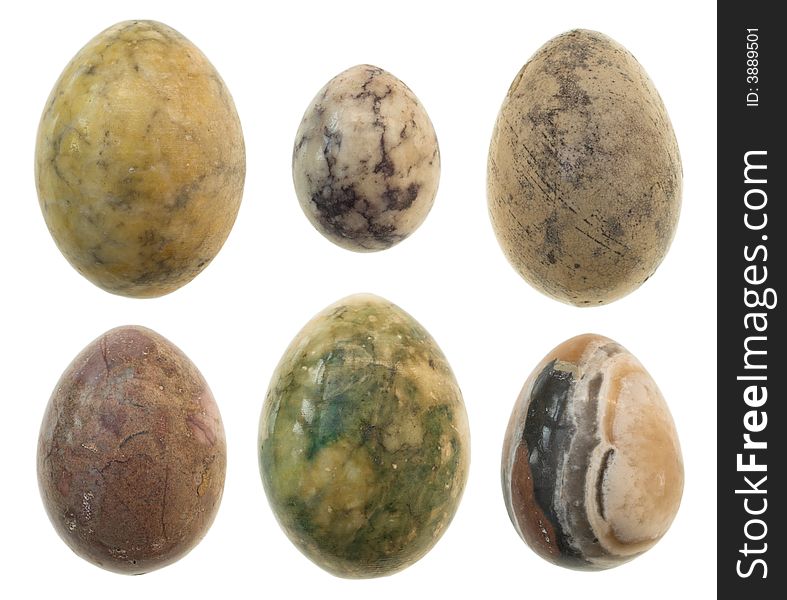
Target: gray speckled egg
584, 174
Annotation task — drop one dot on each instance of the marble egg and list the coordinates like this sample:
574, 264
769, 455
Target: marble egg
140, 160
584, 176
366, 162
131, 454
592, 470
364, 445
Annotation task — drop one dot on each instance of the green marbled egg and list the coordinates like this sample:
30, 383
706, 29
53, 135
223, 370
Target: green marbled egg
364, 445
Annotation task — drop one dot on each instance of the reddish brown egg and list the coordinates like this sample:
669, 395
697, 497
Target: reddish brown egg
131, 454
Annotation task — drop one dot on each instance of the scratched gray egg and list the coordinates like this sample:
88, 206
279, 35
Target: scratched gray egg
366, 163
584, 175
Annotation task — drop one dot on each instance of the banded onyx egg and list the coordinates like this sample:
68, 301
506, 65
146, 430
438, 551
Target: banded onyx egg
592, 470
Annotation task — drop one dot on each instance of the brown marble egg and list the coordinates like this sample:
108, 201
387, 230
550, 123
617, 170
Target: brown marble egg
592, 469
140, 160
366, 163
584, 175
131, 454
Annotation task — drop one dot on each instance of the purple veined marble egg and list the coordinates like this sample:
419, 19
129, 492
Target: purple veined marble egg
366, 163
592, 470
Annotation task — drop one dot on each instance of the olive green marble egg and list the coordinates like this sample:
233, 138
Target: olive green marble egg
140, 160
364, 445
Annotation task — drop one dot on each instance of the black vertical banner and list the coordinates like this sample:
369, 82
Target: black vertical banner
752, 228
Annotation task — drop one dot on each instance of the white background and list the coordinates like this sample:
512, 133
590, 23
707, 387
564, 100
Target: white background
275, 272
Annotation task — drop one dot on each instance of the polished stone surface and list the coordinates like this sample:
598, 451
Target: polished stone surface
140, 160
584, 174
364, 443
131, 454
592, 469
366, 164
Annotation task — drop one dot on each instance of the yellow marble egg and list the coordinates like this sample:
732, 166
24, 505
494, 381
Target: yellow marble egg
140, 160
